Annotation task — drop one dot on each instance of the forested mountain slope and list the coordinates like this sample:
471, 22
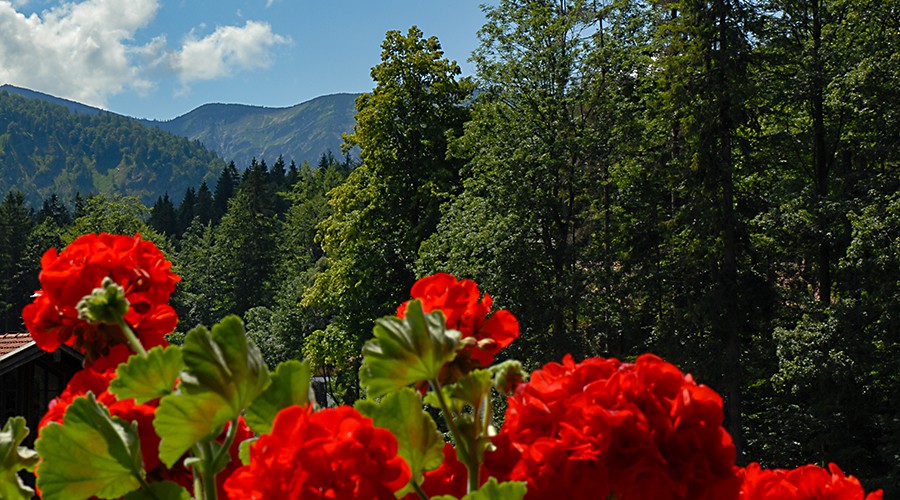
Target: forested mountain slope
240, 133
47, 149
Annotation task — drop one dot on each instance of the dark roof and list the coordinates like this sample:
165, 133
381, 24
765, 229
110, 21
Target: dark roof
17, 349
9, 342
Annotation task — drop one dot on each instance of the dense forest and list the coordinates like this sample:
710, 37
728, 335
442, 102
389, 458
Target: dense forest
715, 182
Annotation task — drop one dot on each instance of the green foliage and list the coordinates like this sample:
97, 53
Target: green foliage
13, 458
223, 374
406, 351
144, 378
263, 329
492, 490
329, 349
16, 268
115, 215
391, 202
89, 454
246, 240
162, 489
418, 439
200, 269
289, 387
331, 353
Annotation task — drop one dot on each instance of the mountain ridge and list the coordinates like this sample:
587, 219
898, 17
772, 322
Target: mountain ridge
242, 132
46, 149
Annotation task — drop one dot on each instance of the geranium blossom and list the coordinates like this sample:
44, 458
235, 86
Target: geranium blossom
604, 427
467, 311
335, 453
808, 482
132, 263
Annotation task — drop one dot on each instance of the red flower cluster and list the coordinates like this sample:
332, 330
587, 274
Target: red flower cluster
334, 453
602, 427
467, 311
134, 264
803, 483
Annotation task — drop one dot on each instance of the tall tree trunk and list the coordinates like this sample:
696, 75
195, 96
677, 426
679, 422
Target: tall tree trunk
820, 162
731, 322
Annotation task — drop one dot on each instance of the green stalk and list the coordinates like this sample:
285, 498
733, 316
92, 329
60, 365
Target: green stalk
229, 438
209, 477
472, 465
418, 490
145, 485
448, 417
131, 338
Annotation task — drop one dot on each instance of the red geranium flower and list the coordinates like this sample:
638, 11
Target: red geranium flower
807, 482
335, 453
470, 313
132, 263
604, 427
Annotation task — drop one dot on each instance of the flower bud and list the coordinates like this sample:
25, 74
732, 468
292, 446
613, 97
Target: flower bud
106, 304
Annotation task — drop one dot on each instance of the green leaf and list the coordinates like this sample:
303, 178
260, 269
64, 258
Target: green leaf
472, 388
224, 361
224, 373
165, 490
90, 454
14, 458
147, 378
407, 351
289, 387
492, 490
244, 450
183, 421
418, 439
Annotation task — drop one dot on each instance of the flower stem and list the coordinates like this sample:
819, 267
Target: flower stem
131, 338
418, 490
229, 438
210, 492
448, 417
465, 447
145, 486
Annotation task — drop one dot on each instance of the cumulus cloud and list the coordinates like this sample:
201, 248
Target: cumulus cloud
223, 51
77, 50
87, 51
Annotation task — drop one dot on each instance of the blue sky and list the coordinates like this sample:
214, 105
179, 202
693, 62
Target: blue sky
162, 58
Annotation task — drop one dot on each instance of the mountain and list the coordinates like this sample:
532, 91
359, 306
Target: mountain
46, 148
240, 133
75, 107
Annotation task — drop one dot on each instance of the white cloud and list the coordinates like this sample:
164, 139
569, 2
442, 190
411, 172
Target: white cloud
227, 49
86, 50
75, 50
